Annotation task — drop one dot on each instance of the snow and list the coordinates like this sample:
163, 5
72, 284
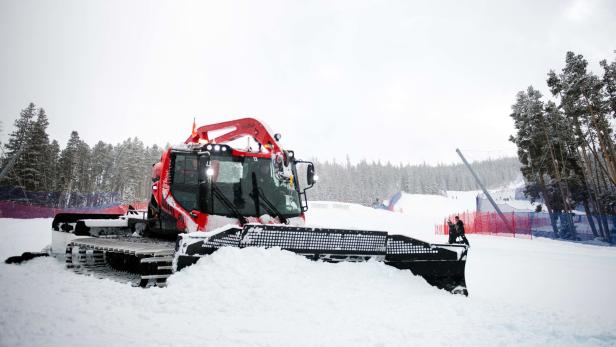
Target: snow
522, 293
419, 214
505, 197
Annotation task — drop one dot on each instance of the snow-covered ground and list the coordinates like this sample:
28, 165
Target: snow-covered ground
522, 292
415, 215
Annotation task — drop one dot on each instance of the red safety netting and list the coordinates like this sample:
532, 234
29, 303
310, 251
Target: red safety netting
490, 223
11, 209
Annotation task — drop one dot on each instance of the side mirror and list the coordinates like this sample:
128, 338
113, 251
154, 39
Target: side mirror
311, 178
310, 175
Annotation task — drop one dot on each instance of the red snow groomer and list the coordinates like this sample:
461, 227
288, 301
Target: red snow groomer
231, 184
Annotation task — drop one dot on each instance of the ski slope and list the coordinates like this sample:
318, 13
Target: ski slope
416, 214
522, 293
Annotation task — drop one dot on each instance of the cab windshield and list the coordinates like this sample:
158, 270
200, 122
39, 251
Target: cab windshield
249, 184
240, 179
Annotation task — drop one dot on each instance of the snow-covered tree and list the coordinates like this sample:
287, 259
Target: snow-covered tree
73, 170
16, 149
566, 146
38, 154
364, 182
102, 167
609, 79
53, 158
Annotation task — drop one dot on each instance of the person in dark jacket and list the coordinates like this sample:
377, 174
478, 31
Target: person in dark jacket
460, 230
452, 232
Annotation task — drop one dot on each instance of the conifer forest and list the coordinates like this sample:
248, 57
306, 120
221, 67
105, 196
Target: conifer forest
121, 173
566, 144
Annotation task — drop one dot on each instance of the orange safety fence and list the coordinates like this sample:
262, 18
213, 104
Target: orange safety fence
490, 223
529, 224
12, 209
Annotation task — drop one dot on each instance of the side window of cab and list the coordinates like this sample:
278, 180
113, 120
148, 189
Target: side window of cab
184, 186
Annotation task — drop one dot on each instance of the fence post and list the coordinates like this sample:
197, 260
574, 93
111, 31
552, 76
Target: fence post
531, 220
513, 219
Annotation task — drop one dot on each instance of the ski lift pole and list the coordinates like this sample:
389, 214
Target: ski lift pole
485, 191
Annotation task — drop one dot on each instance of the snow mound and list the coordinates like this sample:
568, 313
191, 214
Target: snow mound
522, 293
272, 285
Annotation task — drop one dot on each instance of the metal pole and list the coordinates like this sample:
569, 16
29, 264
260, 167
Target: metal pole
485, 191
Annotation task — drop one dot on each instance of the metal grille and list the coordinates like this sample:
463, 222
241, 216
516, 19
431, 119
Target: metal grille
129, 245
226, 239
304, 239
405, 247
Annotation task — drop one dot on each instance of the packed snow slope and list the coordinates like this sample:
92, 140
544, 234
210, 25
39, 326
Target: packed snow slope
522, 293
416, 214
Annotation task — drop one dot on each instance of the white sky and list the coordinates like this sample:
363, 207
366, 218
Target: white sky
403, 81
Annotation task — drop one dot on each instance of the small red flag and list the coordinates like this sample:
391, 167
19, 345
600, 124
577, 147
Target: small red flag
194, 128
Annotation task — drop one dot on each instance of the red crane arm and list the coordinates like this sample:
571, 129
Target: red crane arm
237, 128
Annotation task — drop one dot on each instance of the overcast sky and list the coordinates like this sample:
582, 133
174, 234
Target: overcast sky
403, 81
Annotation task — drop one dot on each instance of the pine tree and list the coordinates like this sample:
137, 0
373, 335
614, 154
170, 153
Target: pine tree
609, 79
53, 158
102, 167
567, 149
84, 168
38, 153
128, 173
583, 103
18, 147
152, 156
533, 151
71, 169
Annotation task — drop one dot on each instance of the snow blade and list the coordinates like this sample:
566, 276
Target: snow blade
441, 265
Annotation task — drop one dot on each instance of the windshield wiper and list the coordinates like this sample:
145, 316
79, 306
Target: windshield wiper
229, 204
266, 202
